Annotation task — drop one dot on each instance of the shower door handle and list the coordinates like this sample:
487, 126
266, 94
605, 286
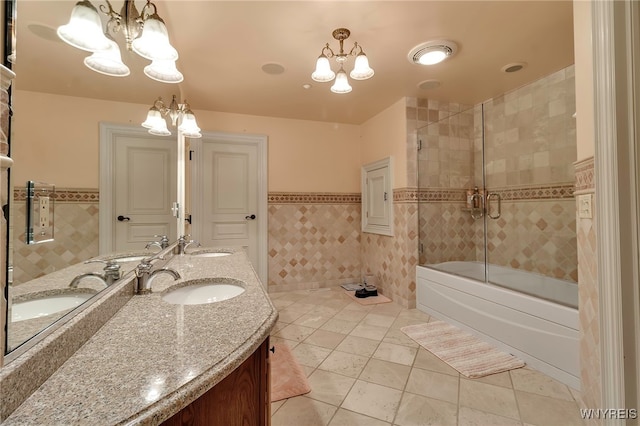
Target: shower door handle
480, 204
489, 196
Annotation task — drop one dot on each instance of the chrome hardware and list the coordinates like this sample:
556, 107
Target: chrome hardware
477, 199
111, 273
123, 218
183, 244
162, 244
489, 196
144, 276
252, 217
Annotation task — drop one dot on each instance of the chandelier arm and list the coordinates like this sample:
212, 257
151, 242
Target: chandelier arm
144, 14
326, 49
354, 50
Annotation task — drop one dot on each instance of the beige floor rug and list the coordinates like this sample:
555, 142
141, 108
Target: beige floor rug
287, 377
469, 355
371, 300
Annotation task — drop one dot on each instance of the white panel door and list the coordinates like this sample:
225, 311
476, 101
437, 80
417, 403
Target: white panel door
145, 189
230, 196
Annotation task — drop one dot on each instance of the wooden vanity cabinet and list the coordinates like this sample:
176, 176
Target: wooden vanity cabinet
242, 398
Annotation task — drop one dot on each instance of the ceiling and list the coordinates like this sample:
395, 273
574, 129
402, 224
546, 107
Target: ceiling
224, 44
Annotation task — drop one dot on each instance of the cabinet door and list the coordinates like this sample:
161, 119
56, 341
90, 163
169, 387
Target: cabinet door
241, 398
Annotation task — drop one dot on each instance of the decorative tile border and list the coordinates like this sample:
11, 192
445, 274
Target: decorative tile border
65, 195
542, 192
585, 174
313, 198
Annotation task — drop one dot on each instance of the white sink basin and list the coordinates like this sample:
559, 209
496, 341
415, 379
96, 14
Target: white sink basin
204, 291
48, 305
132, 258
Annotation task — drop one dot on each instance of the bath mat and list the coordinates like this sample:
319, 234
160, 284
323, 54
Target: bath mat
371, 300
469, 355
287, 377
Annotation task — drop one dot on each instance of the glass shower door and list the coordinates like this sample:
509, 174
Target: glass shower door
451, 223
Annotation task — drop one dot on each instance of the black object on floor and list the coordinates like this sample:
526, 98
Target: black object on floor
366, 292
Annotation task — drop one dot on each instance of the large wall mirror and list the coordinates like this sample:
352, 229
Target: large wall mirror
58, 108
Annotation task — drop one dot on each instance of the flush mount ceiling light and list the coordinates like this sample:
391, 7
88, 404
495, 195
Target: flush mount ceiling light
361, 69
145, 33
432, 52
157, 125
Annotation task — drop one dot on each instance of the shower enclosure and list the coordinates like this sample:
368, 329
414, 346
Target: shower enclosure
496, 191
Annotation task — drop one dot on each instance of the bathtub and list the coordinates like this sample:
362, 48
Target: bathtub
542, 333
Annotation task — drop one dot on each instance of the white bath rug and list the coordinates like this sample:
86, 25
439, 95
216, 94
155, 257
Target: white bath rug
469, 355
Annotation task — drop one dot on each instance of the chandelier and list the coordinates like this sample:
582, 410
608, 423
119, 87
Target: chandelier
145, 33
157, 124
361, 69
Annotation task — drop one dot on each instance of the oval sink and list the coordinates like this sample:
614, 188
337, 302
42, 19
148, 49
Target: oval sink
48, 305
204, 291
129, 259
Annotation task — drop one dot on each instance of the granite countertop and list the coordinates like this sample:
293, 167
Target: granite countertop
153, 358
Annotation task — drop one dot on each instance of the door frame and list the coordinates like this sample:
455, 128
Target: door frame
108, 133
260, 141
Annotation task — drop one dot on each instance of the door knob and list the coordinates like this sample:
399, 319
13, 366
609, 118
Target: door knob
123, 218
253, 216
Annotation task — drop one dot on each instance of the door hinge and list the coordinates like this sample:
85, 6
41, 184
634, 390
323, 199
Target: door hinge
419, 144
191, 155
188, 219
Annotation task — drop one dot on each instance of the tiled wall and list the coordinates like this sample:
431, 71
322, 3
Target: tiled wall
529, 149
75, 234
588, 296
314, 240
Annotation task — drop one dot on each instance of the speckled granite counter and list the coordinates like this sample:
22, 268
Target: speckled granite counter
153, 358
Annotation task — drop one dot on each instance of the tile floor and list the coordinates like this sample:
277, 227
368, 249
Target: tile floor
364, 371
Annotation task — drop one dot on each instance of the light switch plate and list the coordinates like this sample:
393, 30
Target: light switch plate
584, 206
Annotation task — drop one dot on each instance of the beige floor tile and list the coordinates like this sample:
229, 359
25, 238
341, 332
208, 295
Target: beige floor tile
378, 320
349, 418
279, 326
343, 363
542, 410
385, 373
489, 398
373, 400
499, 379
355, 306
325, 339
329, 387
310, 355
403, 322
301, 307
470, 417
276, 405
281, 303
428, 361
275, 340
369, 331
325, 310
350, 315
391, 309
289, 316
414, 314
532, 381
312, 320
395, 353
339, 326
433, 385
303, 411
397, 337
358, 346
295, 332
419, 410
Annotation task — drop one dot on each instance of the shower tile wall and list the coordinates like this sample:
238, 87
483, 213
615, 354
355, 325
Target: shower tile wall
75, 234
530, 146
314, 240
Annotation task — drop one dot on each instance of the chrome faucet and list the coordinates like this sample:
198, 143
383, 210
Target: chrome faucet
144, 275
111, 274
162, 244
183, 244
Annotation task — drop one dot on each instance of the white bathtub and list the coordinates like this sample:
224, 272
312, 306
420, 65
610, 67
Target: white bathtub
544, 334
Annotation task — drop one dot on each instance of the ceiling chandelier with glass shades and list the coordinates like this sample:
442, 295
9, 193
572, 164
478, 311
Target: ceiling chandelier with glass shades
157, 124
145, 33
361, 69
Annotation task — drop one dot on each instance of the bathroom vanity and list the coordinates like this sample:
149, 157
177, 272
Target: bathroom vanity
161, 360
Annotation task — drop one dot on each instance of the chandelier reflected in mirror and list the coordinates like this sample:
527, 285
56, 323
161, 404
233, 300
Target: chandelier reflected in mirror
145, 33
361, 69
157, 124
